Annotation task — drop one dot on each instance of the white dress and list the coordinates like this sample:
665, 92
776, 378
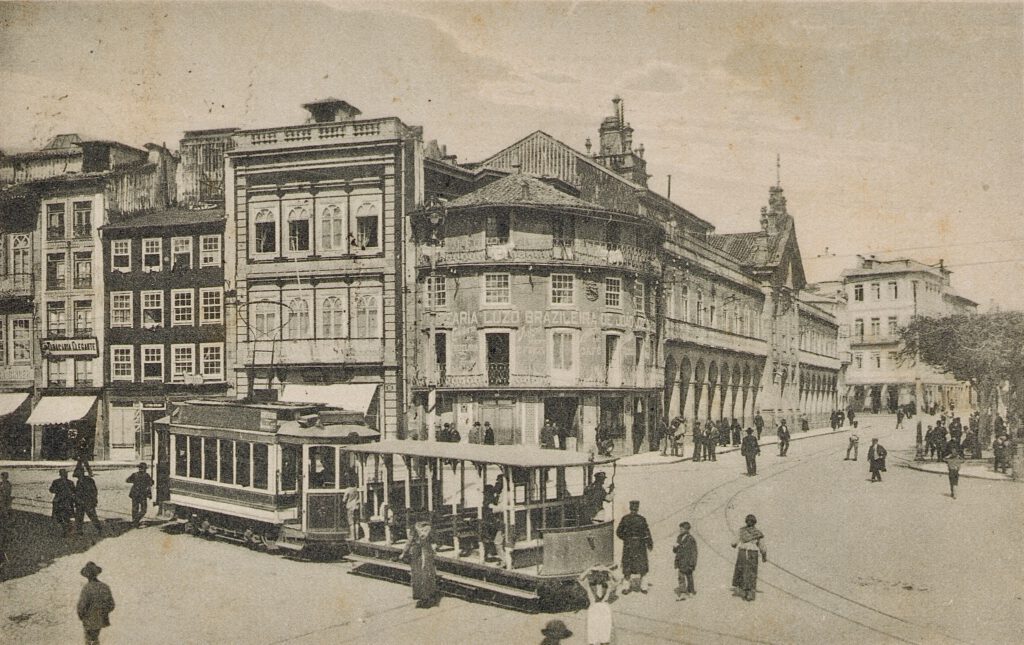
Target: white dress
599, 623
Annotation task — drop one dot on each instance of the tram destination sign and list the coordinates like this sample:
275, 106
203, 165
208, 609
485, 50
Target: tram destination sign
66, 347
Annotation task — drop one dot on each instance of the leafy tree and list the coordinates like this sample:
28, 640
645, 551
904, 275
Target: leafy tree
986, 350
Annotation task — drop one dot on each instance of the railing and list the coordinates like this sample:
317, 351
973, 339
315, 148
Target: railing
16, 284
325, 351
501, 376
317, 132
678, 330
83, 232
869, 339
497, 374
580, 252
83, 283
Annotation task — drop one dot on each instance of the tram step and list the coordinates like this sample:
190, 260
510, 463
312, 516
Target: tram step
451, 577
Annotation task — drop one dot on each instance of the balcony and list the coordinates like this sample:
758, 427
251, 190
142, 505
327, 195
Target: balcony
574, 253
321, 351
684, 332
16, 285
83, 282
300, 136
874, 339
501, 376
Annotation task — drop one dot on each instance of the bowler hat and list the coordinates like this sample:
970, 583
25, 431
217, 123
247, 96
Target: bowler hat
91, 570
556, 629
600, 475
142, 465
634, 504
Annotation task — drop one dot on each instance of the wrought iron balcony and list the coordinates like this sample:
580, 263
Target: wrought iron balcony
14, 285
580, 252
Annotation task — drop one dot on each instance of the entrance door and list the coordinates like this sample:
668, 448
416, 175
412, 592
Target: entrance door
502, 416
441, 356
497, 359
562, 412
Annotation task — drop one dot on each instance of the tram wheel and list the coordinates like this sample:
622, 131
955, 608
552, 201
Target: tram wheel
249, 538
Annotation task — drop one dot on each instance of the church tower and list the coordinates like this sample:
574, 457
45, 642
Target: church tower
616, 152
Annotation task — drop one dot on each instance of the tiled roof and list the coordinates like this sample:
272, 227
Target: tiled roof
742, 246
168, 217
520, 189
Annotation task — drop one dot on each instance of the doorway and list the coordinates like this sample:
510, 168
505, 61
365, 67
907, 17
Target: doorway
562, 412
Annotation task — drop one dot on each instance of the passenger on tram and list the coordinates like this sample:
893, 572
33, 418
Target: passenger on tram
594, 497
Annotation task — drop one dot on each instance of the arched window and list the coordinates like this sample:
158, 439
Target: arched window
21, 254
365, 236
332, 229
332, 313
367, 317
298, 230
298, 320
685, 304
265, 234
699, 318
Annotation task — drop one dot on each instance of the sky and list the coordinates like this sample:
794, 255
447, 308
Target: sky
900, 126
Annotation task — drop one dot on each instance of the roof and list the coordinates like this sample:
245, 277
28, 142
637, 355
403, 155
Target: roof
742, 246
168, 217
63, 141
882, 267
521, 189
327, 433
525, 456
348, 396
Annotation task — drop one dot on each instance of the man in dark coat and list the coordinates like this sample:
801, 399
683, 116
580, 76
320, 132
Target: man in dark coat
63, 491
86, 499
876, 460
636, 542
759, 423
594, 497
94, 604
141, 491
698, 441
750, 450
783, 434
710, 441
488, 434
737, 431
419, 553
685, 561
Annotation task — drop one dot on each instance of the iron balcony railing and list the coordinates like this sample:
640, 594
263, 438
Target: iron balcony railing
577, 252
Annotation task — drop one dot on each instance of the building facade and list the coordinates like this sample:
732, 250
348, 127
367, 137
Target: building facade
165, 328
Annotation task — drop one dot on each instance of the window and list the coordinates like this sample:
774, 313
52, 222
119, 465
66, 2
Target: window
367, 223
83, 270
55, 229
333, 315
366, 317
437, 294
497, 289
858, 328
322, 471
57, 373
561, 350
211, 364
613, 235
195, 456
298, 230
152, 309
497, 229
858, 292
180, 455
182, 312
21, 340
153, 362
265, 322
711, 310
563, 231
3, 340
211, 306
858, 360
227, 461
259, 466
209, 251
183, 362
613, 292
122, 363
332, 228
152, 254
892, 358
684, 303
894, 290
243, 471
181, 253
209, 458
298, 318
83, 372
289, 467
893, 328
640, 298
266, 232
876, 327
83, 317
83, 219
699, 318
121, 309
56, 271
876, 360
121, 255
561, 289
56, 320
876, 290
21, 254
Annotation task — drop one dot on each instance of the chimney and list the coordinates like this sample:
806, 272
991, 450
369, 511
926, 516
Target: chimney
619, 111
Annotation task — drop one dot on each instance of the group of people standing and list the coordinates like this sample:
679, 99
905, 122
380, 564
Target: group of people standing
73, 501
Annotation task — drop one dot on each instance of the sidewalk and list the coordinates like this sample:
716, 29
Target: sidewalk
972, 468
655, 458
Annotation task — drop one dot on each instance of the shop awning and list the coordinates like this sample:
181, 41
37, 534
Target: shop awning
11, 401
60, 409
349, 396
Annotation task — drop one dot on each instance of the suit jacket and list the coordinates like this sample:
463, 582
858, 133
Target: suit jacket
95, 604
877, 451
686, 553
749, 446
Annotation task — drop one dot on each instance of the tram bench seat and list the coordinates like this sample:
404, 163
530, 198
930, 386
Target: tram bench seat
462, 525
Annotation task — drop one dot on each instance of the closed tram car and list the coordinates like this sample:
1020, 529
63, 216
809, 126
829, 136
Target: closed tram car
267, 474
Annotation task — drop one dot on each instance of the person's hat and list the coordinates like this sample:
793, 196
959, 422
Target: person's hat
476, 423
91, 570
422, 526
751, 519
684, 525
62, 471
750, 431
634, 503
556, 629
600, 475
78, 472
142, 465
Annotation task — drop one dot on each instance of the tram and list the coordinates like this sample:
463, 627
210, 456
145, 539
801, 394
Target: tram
270, 475
509, 522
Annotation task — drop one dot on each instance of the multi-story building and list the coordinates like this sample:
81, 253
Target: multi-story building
165, 328
882, 297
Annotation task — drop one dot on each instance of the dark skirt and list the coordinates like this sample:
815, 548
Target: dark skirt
744, 576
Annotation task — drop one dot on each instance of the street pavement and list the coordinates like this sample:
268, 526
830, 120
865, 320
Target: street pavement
849, 562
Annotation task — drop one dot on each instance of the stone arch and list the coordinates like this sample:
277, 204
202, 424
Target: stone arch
685, 378
670, 382
723, 390
712, 387
699, 390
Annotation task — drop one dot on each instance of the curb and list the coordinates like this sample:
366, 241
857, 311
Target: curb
909, 465
727, 449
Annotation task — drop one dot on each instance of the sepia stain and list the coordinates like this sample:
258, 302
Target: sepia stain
653, 9
166, 545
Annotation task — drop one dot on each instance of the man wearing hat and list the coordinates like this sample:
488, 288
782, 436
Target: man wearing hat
594, 497
750, 450
554, 632
63, 491
94, 604
142, 490
636, 542
876, 460
86, 499
476, 433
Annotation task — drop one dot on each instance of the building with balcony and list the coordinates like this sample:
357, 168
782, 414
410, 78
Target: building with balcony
881, 297
166, 319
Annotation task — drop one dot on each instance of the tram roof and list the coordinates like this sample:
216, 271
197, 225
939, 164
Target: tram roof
523, 456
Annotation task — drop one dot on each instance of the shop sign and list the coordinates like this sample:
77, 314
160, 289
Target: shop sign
65, 347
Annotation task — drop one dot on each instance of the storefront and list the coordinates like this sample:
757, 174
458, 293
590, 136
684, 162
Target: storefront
63, 427
15, 438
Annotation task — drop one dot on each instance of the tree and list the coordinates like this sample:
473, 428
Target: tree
986, 350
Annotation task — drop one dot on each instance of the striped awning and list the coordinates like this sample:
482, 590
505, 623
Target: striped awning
52, 410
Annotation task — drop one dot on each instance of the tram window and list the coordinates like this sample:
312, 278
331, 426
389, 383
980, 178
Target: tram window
210, 459
289, 467
180, 455
259, 465
242, 470
195, 457
321, 467
227, 461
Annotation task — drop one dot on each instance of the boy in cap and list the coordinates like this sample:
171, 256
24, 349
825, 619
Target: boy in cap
686, 561
94, 604
142, 490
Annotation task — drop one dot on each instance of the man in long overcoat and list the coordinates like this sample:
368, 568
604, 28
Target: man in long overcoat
63, 491
94, 604
876, 460
636, 542
86, 499
141, 491
750, 450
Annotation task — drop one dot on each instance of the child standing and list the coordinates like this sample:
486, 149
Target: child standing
686, 561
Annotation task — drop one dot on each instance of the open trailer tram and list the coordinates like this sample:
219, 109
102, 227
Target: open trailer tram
267, 474
509, 522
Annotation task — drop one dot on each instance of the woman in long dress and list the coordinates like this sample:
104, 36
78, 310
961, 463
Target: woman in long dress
749, 542
419, 553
